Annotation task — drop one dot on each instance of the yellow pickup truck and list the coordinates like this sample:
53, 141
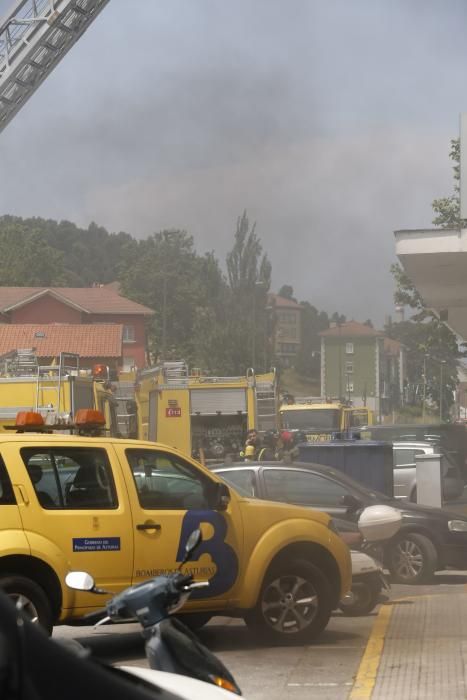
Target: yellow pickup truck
123, 510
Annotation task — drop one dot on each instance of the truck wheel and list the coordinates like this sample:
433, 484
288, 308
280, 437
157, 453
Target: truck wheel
412, 558
364, 597
32, 598
294, 605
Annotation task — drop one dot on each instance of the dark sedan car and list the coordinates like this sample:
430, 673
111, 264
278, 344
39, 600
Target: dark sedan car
430, 539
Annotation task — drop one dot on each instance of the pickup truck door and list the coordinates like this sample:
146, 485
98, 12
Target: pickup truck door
74, 508
170, 498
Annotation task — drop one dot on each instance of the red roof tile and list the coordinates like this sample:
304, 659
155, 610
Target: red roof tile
49, 340
350, 328
97, 300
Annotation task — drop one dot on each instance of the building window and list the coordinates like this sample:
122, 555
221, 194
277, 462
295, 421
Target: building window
349, 367
287, 318
129, 334
349, 348
288, 348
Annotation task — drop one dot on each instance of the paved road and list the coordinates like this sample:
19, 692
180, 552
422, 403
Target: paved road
324, 670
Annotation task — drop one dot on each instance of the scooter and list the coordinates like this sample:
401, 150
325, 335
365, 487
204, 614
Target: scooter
170, 645
33, 665
375, 524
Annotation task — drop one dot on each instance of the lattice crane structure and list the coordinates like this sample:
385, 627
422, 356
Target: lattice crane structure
34, 36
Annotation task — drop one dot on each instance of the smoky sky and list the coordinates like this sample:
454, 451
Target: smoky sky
329, 121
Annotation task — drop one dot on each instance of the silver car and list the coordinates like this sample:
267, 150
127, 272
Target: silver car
405, 472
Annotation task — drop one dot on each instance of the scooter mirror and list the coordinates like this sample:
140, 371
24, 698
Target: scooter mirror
193, 541
79, 581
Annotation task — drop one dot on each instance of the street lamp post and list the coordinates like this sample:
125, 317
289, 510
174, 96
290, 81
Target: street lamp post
424, 388
441, 389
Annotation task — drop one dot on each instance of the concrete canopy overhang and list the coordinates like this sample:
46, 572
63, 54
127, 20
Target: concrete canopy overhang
436, 262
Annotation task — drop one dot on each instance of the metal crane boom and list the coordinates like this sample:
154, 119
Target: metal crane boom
34, 36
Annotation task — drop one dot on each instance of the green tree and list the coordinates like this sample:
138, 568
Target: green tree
182, 287
249, 277
26, 258
432, 350
80, 257
286, 292
447, 209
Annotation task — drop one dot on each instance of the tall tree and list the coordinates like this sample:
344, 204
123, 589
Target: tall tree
249, 276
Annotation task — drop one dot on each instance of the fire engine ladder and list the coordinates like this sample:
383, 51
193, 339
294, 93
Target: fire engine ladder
266, 405
175, 373
125, 393
34, 36
24, 363
49, 380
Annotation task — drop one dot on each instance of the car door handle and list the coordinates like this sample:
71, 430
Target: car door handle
149, 526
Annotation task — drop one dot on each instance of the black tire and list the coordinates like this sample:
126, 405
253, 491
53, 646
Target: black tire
412, 558
195, 620
294, 604
366, 595
34, 601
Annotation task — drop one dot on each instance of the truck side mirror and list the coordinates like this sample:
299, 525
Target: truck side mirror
221, 498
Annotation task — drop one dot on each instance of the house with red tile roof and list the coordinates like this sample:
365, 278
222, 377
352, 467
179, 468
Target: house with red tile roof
358, 363
84, 308
95, 344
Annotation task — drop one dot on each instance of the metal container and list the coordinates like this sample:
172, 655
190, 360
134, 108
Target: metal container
367, 461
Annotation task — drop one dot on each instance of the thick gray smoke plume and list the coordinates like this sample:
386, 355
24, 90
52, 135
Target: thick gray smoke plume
328, 120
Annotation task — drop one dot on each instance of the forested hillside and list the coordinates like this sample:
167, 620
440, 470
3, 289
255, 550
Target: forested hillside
215, 316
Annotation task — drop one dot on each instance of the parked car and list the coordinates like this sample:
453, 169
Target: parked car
430, 539
405, 470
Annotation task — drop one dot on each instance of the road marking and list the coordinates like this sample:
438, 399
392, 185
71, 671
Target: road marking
367, 671
317, 685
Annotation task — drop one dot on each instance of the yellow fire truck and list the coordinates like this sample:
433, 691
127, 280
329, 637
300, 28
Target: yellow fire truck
203, 416
56, 391
322, 419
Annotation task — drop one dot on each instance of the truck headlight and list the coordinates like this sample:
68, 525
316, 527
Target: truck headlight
457, 525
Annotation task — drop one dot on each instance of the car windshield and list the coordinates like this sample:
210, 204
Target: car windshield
311, 419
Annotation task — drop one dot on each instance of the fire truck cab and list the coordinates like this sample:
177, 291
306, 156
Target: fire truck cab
322, 419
